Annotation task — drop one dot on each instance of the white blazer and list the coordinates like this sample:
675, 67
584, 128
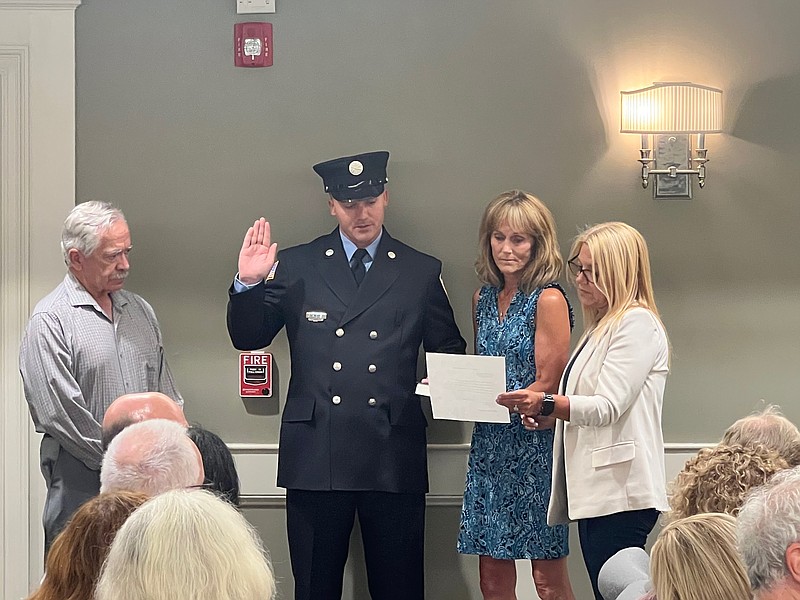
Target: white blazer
609, 457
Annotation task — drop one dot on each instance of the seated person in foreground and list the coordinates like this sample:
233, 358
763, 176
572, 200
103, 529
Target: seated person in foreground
151, 457
769, 428
135, 408
186, 545
695, 558
221, 476
768, 537
77, 554
717, 479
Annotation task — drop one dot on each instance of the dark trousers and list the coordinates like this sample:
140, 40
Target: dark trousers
319, 524
602, 537
70, 483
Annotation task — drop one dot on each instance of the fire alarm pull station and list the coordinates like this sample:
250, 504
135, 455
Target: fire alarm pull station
252, 44
255, 374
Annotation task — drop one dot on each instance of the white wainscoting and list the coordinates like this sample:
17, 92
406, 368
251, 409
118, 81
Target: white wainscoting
447, 463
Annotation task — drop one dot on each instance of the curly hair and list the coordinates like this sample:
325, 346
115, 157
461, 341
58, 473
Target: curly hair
717, 479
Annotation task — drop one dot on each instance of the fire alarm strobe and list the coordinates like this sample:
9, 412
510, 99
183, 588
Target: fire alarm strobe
252, 44
255, 374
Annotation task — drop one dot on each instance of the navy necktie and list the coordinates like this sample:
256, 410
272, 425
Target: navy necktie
357, 265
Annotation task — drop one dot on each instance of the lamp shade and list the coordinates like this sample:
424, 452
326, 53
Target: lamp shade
670, 107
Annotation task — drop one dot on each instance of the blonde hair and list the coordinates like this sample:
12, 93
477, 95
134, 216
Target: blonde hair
718, 479
186, 545
620, 269
770, 428
695, 558
526, 214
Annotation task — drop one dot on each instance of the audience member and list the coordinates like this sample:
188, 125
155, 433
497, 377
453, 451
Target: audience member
220, 469
88, 342
768, 535
769, 428
717, 479
135, 408
695, 558
186, 545
77, 554
151, 457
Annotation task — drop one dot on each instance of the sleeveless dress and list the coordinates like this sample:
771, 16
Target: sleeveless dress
504, 513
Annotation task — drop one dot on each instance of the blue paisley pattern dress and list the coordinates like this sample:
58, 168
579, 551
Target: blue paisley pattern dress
504, 514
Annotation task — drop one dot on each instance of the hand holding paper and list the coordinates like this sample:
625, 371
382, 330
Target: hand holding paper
464, 388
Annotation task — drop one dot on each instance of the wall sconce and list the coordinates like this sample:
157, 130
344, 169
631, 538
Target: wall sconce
672, 112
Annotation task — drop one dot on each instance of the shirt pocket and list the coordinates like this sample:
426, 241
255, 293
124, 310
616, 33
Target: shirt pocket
614, 454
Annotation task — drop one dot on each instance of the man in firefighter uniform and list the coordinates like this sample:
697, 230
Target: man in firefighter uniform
357, 305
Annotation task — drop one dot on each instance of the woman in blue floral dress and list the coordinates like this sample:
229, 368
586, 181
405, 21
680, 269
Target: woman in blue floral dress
522, 314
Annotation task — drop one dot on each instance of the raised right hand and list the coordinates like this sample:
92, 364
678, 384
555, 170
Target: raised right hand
257, 254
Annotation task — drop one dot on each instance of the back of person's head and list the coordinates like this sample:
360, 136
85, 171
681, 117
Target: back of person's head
621, 263
771, 429
717, 479
186, 545
74, 561
695, 558
220, 469
151, 457
767, 527
135, 408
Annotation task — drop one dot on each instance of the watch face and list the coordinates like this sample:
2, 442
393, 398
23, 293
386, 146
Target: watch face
548, 405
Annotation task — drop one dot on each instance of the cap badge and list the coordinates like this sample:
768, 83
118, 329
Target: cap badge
356, 168
329, 252
391, 254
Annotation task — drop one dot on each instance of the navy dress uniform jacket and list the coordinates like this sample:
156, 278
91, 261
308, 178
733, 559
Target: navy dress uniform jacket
351, 420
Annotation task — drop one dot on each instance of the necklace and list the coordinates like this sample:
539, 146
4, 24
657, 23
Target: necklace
507, 300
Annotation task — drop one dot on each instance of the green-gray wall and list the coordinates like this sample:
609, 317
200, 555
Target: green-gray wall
471, 97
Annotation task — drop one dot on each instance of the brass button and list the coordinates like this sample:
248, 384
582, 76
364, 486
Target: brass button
373, 335
372, 368
372, 402
337, 366
336, 399
339, 332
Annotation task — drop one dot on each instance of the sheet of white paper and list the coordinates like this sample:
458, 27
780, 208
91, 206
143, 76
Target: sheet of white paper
464, 387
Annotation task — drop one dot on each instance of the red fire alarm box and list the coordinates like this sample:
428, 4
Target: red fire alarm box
255, 374
252, 43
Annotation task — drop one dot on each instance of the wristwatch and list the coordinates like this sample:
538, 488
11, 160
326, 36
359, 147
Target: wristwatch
548, 405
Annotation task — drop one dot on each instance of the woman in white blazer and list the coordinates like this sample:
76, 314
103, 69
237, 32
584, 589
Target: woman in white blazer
608, 456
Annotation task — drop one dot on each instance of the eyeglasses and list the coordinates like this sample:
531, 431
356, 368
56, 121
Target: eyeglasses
576, 269
201, 486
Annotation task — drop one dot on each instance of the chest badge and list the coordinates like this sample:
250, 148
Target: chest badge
316, 316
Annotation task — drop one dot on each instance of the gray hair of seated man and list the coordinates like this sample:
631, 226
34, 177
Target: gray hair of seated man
151, 457
768, 523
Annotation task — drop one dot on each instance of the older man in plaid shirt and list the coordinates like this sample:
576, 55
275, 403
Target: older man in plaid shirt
87, 342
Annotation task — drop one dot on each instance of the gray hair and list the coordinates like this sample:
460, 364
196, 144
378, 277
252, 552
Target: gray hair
186, 545
85, 224
768, 522
770, 428
151, 457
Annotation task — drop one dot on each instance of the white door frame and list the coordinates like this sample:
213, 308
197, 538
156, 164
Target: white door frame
37, 190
